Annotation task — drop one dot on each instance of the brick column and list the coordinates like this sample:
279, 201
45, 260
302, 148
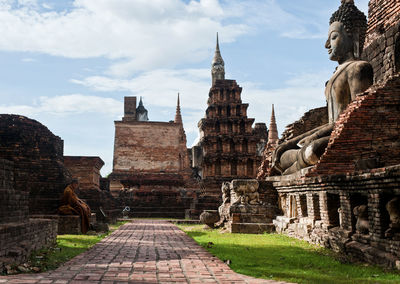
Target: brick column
323, 205
346, 212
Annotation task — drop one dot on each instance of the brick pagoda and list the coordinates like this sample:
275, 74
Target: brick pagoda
229, 148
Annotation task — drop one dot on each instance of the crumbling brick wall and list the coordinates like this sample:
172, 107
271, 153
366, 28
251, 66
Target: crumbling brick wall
38, 155
151, 147
14, 205
19, 235
382, 45
331, 219
85, 169
310, 120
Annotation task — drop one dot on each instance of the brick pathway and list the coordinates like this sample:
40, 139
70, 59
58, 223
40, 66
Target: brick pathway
144, 251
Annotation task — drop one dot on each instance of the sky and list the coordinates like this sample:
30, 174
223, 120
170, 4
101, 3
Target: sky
69, 63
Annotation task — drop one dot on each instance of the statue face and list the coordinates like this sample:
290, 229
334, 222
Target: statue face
339, 43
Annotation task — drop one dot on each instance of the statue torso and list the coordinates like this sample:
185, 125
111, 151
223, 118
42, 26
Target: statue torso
337, 91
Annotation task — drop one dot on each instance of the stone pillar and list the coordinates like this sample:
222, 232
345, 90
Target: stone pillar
376, 203
323, 205
298, 205
346, 212
129, 109
310, 206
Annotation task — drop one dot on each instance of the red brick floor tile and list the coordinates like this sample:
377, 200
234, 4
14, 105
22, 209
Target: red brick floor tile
143, 251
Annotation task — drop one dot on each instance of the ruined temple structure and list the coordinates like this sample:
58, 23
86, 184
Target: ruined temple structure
151, 170
87, 171
229, 148
350, 199
38, 154
273, 141
32, 179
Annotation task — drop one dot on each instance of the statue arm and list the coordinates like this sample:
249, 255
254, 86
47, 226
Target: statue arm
323, 131
293, 143
360, 78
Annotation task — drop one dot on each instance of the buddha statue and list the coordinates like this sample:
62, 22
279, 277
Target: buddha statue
352, 76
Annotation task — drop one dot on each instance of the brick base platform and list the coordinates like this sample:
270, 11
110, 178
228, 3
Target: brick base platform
18, 240
143, 251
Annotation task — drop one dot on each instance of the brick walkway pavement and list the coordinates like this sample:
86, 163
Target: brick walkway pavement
144, 251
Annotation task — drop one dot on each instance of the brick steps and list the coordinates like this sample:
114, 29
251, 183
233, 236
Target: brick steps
251, 228
177, 215
157, 212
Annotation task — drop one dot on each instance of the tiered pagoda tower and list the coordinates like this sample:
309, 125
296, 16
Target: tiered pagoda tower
230, 147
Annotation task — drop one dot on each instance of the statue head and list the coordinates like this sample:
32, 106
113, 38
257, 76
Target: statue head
347, 31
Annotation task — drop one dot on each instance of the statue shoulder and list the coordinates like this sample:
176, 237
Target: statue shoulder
361, 69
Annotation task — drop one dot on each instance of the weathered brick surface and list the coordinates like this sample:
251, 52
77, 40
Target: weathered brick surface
144, 251
69, 225
366, 135
19, 235
38, 159
148, 147
86, 170
18, 240
382, 14
14, 205
382, 48
310, 120
157, 200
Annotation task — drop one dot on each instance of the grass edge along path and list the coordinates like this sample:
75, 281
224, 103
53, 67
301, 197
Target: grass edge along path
66, 248
279, 257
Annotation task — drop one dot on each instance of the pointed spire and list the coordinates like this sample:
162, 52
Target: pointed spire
178, 116
217, 65
273, 137
217, 47
141, 112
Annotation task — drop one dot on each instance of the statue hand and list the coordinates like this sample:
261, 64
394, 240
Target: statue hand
305, 141
276, 156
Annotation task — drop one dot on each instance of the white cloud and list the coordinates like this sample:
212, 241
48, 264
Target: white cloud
28, 59
142, 35
297, 95
67, 105
159, 88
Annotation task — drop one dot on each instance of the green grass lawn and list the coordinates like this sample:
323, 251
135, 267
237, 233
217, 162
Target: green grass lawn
278, 257
68, 246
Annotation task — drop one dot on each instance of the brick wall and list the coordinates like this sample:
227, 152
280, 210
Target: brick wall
382, 46
382, 14
151, 147
14, 205
38, 159
366, 135
337, 229
85, 169
19, 240
129, 109
310, 120
19, 235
